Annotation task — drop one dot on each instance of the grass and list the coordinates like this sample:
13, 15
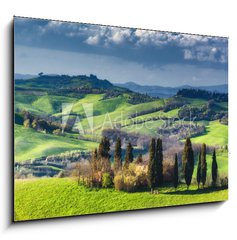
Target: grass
222, 162
30, 144
58, 197
216, 134
45, 104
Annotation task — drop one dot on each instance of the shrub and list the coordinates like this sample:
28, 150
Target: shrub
118, 182
27, 123
58, 132
131, 179
224, 182
130, 183
61, 174
106, 180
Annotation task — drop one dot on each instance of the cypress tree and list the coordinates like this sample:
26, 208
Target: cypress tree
176, 172
188, 162
199, 170
104, 148
151, 174
203, 165
129, 155
159, 162
95, 166
214, 168
117, 155
103, 154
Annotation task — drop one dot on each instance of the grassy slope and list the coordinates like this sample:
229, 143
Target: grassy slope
216, 134
31, 144
62, 197
45, 104
119, 111
119, 114
222, 162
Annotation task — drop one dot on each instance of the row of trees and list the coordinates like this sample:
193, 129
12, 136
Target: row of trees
155, 166
103, 174
188, 164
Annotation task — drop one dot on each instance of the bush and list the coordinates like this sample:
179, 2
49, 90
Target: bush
106, 180
118, 182
130, 183
224, 182
131, 179
58, 132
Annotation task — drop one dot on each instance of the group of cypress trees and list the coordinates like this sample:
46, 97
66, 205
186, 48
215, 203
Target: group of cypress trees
155, 165
188, 165
101, 157
101, 162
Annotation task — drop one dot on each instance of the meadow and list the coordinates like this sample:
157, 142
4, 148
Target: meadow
57, 197
31, 144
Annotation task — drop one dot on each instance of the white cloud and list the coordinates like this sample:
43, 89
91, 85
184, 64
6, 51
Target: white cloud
188, 54
118, 35
195, 47
93, 40
206, 53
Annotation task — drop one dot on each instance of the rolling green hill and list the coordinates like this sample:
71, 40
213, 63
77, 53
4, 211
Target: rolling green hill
216, 134
112, 107
30, 144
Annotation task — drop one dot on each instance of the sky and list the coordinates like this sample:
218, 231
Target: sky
119, 54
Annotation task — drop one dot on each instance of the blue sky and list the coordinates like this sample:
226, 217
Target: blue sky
119, 54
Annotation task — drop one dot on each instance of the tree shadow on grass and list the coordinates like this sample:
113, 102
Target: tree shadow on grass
194, 191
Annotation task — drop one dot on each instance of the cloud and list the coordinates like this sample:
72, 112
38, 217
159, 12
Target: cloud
118, 35
188, 54
93, 40
165, 46
206, 53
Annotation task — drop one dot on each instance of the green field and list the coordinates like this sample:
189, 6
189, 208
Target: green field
30, 144
63, 197
216, 134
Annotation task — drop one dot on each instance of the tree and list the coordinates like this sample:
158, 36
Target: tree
151, 174
188, 162
176, 172
103, 155
159, 162
203, 165
214, 168
95, 166
139, 159
199, 169
129, 155
104, 148
117, 155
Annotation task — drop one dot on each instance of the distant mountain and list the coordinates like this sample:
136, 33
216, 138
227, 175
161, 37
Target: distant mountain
166, 92
23, 76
